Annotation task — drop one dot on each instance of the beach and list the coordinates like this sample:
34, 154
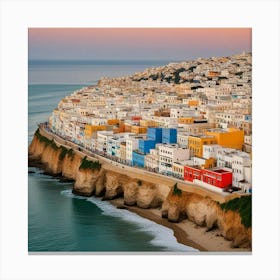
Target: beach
186, 232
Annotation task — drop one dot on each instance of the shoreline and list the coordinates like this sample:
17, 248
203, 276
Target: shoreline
186, 232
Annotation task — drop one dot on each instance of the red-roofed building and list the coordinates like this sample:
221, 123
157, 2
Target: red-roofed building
220, 178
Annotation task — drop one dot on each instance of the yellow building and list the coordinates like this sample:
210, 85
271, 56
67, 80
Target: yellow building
230, 138
185, 120
90, 129
196, 143
138, 129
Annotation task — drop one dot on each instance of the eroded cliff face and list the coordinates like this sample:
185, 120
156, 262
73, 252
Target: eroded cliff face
104, 183
109, 185
207, 213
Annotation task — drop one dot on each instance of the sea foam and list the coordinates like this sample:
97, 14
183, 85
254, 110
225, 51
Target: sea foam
163, 236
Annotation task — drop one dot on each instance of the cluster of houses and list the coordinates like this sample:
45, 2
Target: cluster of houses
197, 129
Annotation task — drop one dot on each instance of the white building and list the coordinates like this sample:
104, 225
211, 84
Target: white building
182, 140
168, 154
114, 143
152, 159
201, 162
183, 113
210, 151
241, 162
225, 157
102, 140
167, 122
131, 144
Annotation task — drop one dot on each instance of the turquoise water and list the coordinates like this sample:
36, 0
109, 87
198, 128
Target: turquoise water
59, 221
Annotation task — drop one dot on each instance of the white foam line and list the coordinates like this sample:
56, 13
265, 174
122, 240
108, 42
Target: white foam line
163, 236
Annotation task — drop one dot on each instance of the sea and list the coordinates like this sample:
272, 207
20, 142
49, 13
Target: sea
59, 221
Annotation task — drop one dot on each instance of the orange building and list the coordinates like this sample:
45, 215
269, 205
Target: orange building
213, 74
138, 129
113, 121
185, 120
230, 138
127, 127
193, 103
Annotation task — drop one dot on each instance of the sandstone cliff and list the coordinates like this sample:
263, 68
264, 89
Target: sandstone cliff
207, 213
105, 183
109, 185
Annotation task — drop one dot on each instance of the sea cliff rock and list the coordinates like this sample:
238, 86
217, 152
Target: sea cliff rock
114, 185
147, 196
108, 184
100, 184
86, 181
70, 166
130, 192
207, 213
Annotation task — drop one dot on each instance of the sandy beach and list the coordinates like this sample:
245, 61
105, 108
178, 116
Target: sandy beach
186, 232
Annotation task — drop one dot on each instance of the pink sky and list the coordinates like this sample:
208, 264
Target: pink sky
136, 43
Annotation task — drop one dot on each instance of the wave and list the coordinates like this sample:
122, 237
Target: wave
163, 236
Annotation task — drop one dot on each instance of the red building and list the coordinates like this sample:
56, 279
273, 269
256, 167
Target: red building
136, 118
192, 172
220, 178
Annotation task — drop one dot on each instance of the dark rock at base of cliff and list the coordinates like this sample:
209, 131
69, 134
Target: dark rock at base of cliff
66, 180
35, 162
50, 173
82, 193
118, 195
31, 172
164, 214
240, 242
101, 193
122, 207
133, 203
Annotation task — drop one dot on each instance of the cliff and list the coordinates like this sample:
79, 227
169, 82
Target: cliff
92, 178
88, 181
207, 213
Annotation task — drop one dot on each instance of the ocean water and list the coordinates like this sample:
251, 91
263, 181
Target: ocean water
59, 221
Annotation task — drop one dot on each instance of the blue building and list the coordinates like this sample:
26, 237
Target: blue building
138, 159
155, 133
169, 135
145, 145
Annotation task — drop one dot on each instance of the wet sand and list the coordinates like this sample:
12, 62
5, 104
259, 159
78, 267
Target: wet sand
186, 232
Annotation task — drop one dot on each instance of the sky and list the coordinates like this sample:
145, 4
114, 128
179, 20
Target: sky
136, 43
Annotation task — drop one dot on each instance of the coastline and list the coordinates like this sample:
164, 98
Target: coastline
186, 232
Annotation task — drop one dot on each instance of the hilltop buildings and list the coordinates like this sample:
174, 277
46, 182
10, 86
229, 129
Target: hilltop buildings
191, 120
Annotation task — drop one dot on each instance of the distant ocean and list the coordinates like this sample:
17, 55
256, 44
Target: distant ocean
57, 219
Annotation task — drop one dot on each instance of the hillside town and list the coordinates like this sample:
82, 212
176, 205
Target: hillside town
190, 120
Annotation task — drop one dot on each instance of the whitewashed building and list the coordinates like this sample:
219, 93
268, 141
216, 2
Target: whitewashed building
168, 154
132, 143
182, 140
210, 151
102, 140
152, 159
241, 162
